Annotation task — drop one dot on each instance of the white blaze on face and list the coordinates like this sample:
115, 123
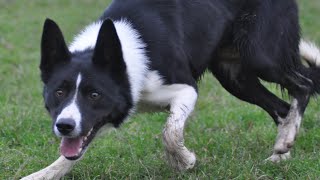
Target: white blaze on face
71, 111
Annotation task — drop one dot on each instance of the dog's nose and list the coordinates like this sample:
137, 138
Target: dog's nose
65, 126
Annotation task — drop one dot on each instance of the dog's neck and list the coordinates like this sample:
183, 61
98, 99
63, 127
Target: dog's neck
133, 49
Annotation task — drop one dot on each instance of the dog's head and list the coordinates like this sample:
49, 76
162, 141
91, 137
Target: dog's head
83, 91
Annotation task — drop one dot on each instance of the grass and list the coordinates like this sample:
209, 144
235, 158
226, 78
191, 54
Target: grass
231, 138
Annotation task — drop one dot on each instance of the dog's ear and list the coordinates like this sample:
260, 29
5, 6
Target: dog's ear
108, 52
54, 50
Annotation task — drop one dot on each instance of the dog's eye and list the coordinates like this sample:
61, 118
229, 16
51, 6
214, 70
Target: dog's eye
94, 96
59, 93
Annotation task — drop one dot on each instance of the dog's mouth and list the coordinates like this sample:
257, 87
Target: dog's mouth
74, 148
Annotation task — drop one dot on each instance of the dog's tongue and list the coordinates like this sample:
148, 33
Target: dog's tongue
70, 146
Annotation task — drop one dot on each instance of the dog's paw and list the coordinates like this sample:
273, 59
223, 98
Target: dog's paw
181, 160
276, 158
288, 129
286, 138
42, 175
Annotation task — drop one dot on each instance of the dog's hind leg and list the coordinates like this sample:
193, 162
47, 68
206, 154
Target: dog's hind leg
181, 98
301, 83
246, 86
55, 171
288, 127
287, 131
297, 79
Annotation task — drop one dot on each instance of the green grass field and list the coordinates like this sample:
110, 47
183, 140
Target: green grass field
231, 138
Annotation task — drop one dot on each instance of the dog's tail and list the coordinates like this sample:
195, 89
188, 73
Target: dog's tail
311, 54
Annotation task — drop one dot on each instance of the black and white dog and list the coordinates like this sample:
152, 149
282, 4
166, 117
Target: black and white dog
155, 51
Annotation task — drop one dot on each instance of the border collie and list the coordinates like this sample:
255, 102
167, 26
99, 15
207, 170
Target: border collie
155, 52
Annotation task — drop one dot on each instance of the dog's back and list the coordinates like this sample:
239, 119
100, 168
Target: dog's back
182, 33
186, 34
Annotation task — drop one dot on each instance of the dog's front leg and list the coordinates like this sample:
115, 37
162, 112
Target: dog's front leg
181, 105
55, 171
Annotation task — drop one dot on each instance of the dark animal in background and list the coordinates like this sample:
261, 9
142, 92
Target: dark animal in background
156, 51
